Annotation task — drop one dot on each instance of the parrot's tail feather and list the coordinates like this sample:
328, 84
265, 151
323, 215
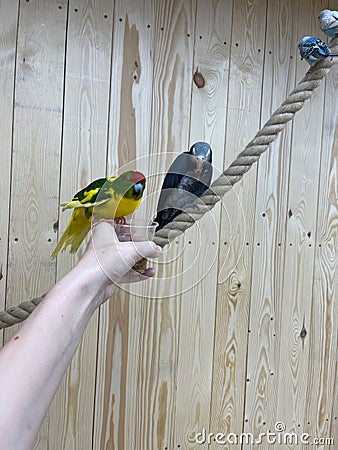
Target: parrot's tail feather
74, 234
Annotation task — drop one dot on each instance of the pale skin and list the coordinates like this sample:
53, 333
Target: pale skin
34, 361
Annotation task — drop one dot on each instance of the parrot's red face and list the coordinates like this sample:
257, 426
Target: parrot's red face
134, 177
131, 184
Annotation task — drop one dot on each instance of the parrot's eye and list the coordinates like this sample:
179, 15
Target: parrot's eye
137, 189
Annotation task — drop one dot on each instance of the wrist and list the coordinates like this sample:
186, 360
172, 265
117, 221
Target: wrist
85, 285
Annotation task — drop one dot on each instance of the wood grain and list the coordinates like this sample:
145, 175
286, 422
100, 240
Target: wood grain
8, 36
319, 410
119, 350
36, 154
239, 328
233, 293
269, 234
299, 250
160, 318
84, 153
207, 123
334, 415
328, 232
36, 148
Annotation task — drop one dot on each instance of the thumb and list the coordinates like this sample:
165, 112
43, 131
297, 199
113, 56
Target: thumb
102, 233
147, 249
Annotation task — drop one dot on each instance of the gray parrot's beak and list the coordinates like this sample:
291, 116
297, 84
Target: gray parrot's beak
199, 166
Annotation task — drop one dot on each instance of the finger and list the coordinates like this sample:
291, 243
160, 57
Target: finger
147, 249
103, 233
133, 276
149, 272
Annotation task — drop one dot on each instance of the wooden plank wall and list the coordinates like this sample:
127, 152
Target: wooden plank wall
239, 329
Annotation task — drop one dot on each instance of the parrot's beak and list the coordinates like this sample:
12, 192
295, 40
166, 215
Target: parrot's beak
199, 167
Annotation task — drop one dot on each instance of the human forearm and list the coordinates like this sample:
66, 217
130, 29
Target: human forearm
33, 362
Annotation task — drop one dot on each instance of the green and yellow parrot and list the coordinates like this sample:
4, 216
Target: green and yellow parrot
105, 198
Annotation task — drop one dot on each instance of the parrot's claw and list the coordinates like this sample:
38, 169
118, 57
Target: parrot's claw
121, 220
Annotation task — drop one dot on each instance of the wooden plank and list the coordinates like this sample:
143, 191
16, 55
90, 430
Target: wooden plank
84, 149
171, 103
129, 141
326, 285
319, 407
297, 293
159, 319
271, 211
8, 37
158, 371
37, 127
334, 416
36, 154
233, 293
134, 25
131, 76
200, 268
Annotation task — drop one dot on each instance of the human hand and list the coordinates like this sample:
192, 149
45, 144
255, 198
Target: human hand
110, 261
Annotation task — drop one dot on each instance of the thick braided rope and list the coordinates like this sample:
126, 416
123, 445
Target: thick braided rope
252, 152
19, 313
232, 175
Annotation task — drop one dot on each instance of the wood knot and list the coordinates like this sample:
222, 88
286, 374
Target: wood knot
136, 71
235, 288
290, 214
199, 79
56, 226
303, 333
